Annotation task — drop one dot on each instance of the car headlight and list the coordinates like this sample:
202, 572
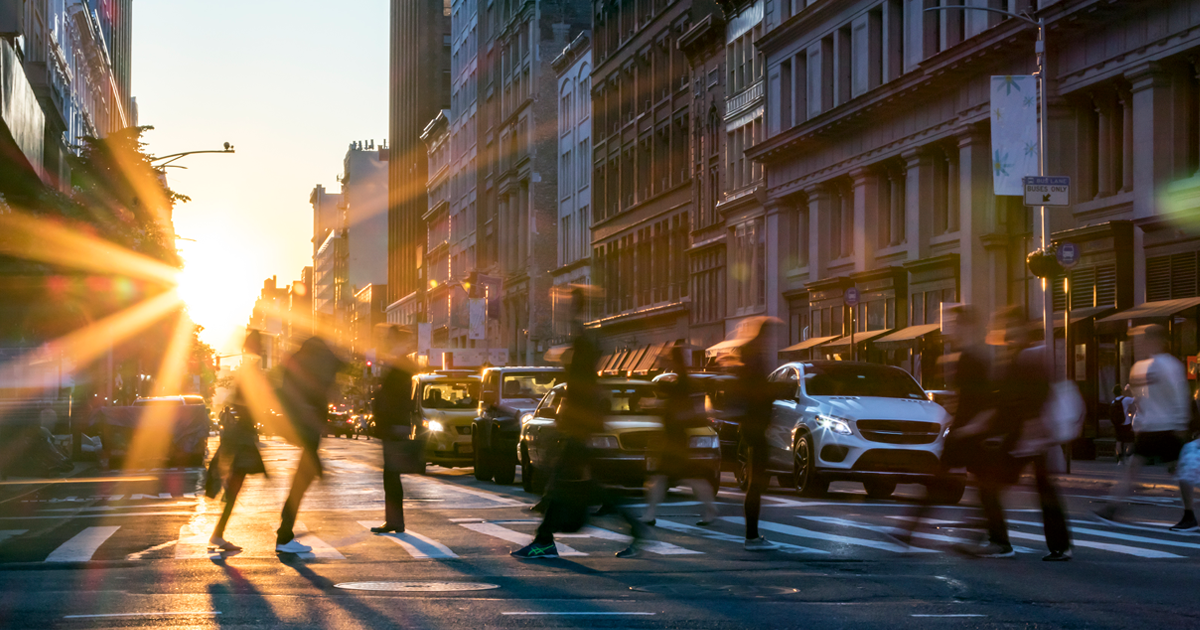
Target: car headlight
435, 426
703, 441
603, 441
831, 423
526, 418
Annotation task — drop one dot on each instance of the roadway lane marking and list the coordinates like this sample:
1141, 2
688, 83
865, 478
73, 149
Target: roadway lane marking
5, 534
199, 613
490, 496
504, 533
722, 536
949, 616
897, 531
800, 532
415, 544
1141, 552
653, 546
320, 548
1119, 536
590, 614
192, 544
83, 545
106, 516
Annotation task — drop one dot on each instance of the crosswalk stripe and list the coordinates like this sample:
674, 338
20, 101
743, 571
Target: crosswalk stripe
1124, 549
1127, 537
653, 546
320, 548
5, 534
83, 545
722, 536
192, 544
897, 531
801, 532
416, 545
504, 533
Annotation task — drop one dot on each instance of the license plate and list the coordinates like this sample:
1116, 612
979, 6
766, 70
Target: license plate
465, 448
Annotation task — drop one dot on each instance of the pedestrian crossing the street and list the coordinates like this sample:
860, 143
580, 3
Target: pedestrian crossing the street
448, 537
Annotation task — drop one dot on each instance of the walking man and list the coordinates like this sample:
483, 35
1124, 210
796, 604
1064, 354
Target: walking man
1160, 419
393, 410
755, 398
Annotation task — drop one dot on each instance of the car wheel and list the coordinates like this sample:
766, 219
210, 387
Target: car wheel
483, 465
879, 489
526, 473
947, 493
504, 469
805, 477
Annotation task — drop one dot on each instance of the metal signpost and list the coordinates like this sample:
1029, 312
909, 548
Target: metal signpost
1068, 256
851, 300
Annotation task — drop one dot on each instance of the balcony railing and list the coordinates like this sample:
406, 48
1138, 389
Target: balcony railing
743, 100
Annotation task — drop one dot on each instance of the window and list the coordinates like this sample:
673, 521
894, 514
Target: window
749, 265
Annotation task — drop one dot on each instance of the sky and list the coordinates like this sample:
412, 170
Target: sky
290, 83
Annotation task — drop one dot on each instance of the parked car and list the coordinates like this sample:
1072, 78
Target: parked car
339, 423
446, 405
711, 389
170, 430
507, 394
632, 424
855, 421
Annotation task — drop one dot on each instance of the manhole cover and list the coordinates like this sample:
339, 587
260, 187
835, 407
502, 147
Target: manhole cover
417, 587
701, 590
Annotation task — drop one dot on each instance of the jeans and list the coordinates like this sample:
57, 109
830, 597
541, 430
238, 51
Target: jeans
1054, 518
306, 472
757, 480
393, 498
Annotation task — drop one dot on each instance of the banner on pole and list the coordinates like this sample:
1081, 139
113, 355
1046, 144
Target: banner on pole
1014, 115
478, 329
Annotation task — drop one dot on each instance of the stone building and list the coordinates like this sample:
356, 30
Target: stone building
364, 202
436, 220
879, 175
574, 69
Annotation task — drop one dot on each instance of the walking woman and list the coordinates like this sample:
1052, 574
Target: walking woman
237, 455
674, 460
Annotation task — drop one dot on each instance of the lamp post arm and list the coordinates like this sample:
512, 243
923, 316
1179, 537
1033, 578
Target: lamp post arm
175, 156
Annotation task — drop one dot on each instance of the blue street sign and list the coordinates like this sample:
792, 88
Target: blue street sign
851, 298
1068, 254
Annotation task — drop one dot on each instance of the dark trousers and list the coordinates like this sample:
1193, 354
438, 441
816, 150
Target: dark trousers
571, 465
393, 498
757, 480
232, 487
1054, 517
990, 493
306, 473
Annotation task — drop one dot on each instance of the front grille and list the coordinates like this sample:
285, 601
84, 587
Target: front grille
463, 430
897, 461
899, 431
637, 440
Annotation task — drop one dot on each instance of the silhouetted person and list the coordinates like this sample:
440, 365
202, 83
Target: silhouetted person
753, 402
393, 410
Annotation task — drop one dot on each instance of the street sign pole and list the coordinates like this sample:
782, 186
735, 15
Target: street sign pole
851, 300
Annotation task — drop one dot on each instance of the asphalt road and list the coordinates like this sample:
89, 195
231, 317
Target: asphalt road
129, 551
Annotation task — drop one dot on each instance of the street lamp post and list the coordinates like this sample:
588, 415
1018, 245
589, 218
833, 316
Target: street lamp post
1040, 51
175, 156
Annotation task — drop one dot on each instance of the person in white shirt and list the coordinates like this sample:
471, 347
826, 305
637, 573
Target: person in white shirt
1160, 420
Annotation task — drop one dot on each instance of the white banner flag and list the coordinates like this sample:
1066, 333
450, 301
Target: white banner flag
478, 329
1014, 132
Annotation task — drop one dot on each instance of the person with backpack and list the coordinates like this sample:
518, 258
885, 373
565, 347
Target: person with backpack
1120, 414
1161, 421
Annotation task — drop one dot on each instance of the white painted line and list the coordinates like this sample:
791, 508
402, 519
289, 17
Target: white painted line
1127, 537
800, 532
951, 616
1145, 526
59, 517
320, 548
416, 545
200, 613
1141, 552
192, 544
722, 536
5, 534
83, 545
590, 614
504, 533
653, 546
898, 531
491, 496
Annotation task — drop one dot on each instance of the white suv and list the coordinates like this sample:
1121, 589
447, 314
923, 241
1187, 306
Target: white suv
856, 421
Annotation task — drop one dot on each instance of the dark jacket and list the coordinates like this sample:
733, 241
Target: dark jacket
754, 398
581, 413
393, 405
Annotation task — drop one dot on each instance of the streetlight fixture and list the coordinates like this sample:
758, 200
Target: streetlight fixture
1040, 51
175, 156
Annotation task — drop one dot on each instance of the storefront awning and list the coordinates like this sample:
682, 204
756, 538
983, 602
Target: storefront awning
910, 334
561, 354
1153, 310
615, 365
1081, 314
845, 340
725, 347
604, 361
646, 364
807, 344
634, 358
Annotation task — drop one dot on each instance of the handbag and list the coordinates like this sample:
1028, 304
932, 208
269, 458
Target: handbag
405, 456
1188, 468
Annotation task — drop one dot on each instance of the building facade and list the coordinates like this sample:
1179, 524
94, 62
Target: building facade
328, 214
364, 201
437, 230
419, 87
574, 70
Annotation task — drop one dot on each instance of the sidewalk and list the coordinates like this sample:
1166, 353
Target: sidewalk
1104, 473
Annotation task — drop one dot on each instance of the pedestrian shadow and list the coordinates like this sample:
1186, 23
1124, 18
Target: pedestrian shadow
350, 603
243, 597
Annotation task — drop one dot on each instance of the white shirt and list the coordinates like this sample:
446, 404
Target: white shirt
1160, 387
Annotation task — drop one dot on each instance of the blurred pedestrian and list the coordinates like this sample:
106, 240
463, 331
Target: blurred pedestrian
1161, 419
237, 454
571, 490
1120, 414
973, 412
754, 398
307, 376
393, 411
674, 460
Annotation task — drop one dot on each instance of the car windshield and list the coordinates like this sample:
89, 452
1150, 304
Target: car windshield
860, 380
450, 395
529, 385
635, 400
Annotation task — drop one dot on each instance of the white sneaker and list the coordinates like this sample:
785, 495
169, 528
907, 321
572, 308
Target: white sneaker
760, 544
293, 546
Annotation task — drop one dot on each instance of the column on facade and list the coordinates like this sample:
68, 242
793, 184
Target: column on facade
819, 250
1106, 146
865, 183
918, 207
1152, 130
1125, 100
982, 268
776, 215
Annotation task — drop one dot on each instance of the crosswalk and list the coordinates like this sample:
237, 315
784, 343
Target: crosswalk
446, 537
